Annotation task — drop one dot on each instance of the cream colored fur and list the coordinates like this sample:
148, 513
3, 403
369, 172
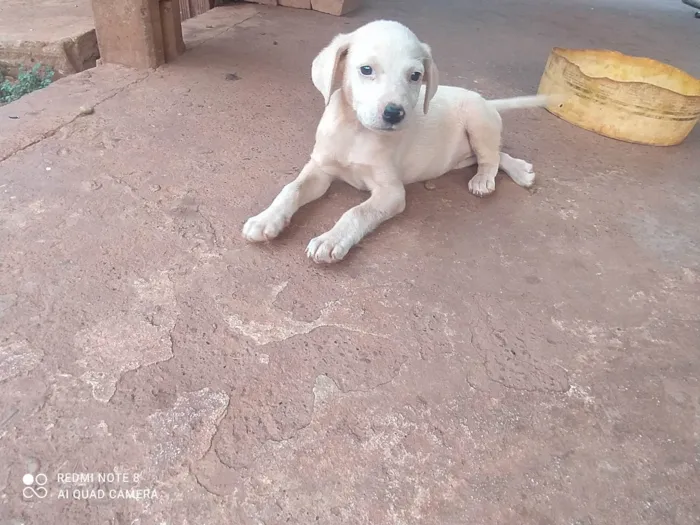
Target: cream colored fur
451, 128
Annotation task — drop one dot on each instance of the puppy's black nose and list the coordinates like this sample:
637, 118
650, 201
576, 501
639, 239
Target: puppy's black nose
393, 114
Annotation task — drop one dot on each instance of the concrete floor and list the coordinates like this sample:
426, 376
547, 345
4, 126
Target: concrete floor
56, 33
528, 358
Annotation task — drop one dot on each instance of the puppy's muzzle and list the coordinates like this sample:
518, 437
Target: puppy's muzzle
393, 114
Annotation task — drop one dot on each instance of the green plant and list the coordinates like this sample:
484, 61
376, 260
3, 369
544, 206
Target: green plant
28, 80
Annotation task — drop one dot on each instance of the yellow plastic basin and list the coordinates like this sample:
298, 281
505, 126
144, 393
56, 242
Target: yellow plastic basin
623, 97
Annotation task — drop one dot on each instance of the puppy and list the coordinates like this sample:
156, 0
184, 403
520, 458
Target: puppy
387, 123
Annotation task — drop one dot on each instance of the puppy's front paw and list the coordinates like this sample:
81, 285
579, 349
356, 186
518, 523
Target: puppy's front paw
264, 226
329, 247
482, 185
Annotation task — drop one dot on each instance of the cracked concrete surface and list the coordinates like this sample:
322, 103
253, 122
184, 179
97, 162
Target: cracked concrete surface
126, 342
529, 358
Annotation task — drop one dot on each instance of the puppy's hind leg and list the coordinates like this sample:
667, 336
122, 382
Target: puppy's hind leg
311, 184
518, 170
484, 129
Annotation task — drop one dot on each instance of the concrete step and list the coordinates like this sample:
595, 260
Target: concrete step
56, 33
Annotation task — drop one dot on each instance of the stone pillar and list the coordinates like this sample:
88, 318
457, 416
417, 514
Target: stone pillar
173, 44
335, 7
142, 34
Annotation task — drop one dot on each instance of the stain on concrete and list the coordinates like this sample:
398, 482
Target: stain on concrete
183, 433
665, 238
278, 326
7, 301
17, 358
116, 346
508, 361
131, 340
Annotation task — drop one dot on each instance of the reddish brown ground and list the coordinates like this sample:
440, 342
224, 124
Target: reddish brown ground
529, 358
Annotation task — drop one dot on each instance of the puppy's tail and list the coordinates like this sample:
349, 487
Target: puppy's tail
536, 101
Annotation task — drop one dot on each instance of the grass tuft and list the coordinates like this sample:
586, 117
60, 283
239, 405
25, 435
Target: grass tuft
28, 80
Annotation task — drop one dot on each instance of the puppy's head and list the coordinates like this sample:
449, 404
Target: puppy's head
381, 68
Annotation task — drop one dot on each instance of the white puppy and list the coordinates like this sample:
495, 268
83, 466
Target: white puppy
376, 136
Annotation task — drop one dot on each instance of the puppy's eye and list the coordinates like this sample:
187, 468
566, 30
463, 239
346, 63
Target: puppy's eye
415, 77
366, 70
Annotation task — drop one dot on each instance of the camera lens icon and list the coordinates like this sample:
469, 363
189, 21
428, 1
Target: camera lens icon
30, 480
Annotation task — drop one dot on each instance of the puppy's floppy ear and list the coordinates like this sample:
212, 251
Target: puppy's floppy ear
430, 77
328, 66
